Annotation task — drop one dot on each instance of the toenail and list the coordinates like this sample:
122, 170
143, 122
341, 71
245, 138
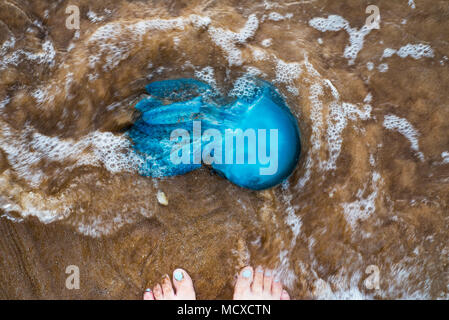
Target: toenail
268, 273
178, 275
148, 290
247, 273
276, 279
259, 269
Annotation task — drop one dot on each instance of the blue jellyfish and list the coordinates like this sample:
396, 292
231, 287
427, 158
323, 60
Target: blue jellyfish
248, 136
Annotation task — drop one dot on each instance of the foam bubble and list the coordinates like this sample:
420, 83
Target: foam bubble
200, 22
416, 51
207, 74
286, 73
25, 150
258, 54
228, 40
383, 67
45, 56
363, 207
445, 156
275, 16
401, 125
267, 42
337, 23
92, 16
110, 46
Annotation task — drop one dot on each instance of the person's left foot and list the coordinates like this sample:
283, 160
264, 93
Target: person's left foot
183, 288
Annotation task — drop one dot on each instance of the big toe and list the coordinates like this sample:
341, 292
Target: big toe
183, 285
243, 284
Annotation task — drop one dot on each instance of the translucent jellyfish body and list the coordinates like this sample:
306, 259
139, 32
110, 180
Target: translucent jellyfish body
250, 137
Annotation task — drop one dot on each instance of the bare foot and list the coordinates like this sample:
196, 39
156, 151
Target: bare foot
259, 285
183, 288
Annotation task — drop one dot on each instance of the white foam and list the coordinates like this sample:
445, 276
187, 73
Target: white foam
96, 226
42, 95
340, 287
14, 199
383, 67
267, 42
258, 54
416, 51
45, 56
275, 16
445, 156
93, 17
111, 45
228, 40
4, 103
207, 74
339, 115
337, 23
200, 22
368, 98
363, 207
244, 86
401, 125
292, 220
412, 4
25, 150
287, 73
388, 52
254, 72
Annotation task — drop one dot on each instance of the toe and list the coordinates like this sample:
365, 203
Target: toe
183, 284
276, 289
243, 284
167, 288
285, 295
148, 295
157, 292
267, 280
257, 285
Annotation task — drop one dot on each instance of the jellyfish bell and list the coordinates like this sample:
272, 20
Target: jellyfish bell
253, 141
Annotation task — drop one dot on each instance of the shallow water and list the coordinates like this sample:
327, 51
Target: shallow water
371, 186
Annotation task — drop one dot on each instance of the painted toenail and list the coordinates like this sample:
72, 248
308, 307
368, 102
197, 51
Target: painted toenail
268, 273
178, 275
247, 273
259, 269
276, 279
147, 290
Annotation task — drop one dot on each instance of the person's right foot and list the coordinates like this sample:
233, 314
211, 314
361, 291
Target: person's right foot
259, 285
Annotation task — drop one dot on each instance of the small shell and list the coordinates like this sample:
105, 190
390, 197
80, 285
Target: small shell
162, 198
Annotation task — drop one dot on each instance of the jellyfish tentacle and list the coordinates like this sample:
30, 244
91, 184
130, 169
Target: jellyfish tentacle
178, 90
177, 112
148, 103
